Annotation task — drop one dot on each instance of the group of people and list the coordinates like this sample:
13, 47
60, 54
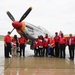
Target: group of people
41, 45
54, 46
11, 45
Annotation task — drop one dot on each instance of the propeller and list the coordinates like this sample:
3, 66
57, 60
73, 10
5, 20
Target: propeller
25, 14
10, 16
21, 19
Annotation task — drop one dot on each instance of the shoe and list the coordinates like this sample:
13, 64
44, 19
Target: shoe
9, 57
6, 57
70, 58
60, 57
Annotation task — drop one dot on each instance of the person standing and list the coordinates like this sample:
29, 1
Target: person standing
7, 45
36, 51
22, 42
46, 42
40, 45
14, 45
62, 45
56, 38
52, 46
71, 44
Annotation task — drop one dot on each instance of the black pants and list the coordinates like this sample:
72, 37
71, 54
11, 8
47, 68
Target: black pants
52, 52
62, 50
40, 51
57, 49
71, 51
36, 52
7, 50
45, 51
22, 49
6, 54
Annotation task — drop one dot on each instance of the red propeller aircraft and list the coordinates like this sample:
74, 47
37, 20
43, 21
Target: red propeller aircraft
29, 31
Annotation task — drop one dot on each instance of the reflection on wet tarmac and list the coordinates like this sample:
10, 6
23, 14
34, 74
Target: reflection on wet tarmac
31, 65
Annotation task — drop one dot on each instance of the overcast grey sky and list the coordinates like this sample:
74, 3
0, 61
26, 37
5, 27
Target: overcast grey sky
54, 15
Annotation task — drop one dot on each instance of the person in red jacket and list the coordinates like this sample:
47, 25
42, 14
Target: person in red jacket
46, 42
71, 44
14, 45
62, 45
7, 45
52, 46
40, 45
36, 51
56, 38
22, 42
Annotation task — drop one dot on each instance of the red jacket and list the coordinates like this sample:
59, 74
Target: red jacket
22, 40
46, 41
35, 43
57, 38
40, 43
7, 39
14, 42
71, 40
52, 43
62, 40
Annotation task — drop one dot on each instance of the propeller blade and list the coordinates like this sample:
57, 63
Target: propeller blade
25, 14
12, 30
10, 16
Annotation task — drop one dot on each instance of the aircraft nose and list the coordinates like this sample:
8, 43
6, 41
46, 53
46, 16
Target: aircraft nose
17, 25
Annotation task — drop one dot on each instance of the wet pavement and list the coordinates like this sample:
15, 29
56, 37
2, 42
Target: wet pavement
30, 65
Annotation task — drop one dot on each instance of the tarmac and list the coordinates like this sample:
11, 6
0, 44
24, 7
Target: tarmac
30, 65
